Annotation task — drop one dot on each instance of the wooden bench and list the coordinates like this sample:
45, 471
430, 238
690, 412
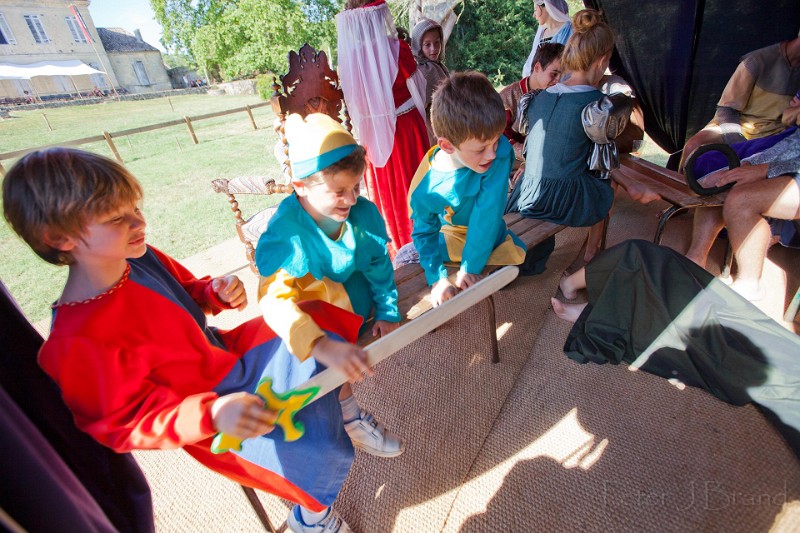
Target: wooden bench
414, 292
668, 184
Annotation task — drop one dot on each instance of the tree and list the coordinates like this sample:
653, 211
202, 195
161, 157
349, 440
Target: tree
237, 38
493, 37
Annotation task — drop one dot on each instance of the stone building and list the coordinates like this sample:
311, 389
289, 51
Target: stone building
48, 49
137, 65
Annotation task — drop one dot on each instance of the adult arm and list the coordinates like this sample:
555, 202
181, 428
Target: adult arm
782, 159
733, 100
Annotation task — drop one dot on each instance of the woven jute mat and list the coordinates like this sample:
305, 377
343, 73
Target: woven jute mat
442, 395
602, 448
535, 442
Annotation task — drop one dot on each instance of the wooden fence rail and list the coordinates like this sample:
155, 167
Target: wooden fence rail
110, 136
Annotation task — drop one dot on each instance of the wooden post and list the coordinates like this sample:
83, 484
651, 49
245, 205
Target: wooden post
191, 129
250, 114
49, 127
113, 148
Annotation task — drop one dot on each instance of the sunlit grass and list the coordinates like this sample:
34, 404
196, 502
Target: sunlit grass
184, 215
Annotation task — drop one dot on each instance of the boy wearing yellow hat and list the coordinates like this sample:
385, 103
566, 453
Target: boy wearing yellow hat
325, 242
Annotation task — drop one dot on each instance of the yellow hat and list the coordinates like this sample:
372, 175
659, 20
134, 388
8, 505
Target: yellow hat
315, 143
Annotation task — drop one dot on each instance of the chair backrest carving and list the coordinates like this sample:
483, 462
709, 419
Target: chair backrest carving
310, 86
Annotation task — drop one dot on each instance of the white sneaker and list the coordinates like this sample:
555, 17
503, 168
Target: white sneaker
368, 435
332, 523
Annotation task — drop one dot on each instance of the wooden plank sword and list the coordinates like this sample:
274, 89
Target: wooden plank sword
289, 403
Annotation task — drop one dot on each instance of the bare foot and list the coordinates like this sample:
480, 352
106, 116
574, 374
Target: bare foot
569, 292
568, 312
750, 289
640, 193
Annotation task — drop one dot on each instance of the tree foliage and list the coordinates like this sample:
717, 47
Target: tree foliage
493, 37
237, 38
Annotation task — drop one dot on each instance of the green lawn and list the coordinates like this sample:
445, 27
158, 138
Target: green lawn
184, 215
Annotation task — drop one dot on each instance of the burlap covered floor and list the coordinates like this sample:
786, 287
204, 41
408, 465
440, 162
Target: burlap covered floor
536, 442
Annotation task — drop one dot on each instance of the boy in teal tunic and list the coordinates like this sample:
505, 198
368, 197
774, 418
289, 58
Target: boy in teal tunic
458, 194
325, 242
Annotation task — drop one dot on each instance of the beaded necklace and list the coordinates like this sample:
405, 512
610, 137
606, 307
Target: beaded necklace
103, 294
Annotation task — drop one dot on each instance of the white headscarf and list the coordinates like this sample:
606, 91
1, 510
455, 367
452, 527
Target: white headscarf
368, 50
559, 12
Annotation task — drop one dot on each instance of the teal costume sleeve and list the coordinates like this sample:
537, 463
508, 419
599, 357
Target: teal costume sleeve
281, 245
426, 232
486, 220
378, 272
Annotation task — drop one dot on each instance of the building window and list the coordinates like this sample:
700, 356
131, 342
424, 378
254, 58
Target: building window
37, 30
141, 73
6, 37
75, 30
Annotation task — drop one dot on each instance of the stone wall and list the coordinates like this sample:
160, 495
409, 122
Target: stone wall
93, 100
238, 87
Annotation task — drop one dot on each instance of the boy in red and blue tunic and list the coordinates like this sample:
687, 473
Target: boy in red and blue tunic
132, 354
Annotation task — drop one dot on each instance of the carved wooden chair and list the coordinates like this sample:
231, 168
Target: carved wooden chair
310, 86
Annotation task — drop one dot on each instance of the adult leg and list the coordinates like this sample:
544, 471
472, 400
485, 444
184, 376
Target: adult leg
707, 224
744, 212
570, 285
593, 240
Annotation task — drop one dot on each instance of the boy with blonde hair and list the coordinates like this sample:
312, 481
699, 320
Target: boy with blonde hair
458, 194
132, 354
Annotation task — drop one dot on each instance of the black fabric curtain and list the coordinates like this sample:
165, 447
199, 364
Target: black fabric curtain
679, 55
46, 460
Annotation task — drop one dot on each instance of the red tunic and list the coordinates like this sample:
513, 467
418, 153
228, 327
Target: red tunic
138, 368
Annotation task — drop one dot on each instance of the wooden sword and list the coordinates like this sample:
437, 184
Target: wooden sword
289, 403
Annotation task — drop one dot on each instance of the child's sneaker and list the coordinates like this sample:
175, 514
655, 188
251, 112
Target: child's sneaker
332, 523
371, 437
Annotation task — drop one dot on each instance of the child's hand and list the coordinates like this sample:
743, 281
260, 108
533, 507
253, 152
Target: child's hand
442, 291
242, 415
382, 327
465, 281
347, 358
230, 290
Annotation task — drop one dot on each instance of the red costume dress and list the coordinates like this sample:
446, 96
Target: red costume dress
385, 95
388, 186
139, 368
